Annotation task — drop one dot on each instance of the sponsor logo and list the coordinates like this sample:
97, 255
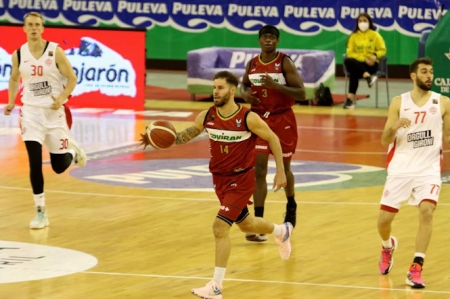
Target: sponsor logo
420, 139
406, 109
224, 137
156, 174
224, 208
238, 123
261, 147
25, 262
386, 193
210, 123
100, 68
40, 88
435, 101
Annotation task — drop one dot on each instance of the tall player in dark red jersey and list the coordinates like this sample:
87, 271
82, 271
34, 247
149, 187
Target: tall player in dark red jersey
271, 83
232, 131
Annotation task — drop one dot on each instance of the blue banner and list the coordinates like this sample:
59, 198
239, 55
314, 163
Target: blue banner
301, 18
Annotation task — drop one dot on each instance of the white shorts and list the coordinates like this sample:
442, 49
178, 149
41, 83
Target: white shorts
46, 126
399, 189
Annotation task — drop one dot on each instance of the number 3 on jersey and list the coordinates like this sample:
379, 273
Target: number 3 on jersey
37, 70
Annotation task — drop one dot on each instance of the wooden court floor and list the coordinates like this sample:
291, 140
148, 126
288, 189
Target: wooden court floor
139, 222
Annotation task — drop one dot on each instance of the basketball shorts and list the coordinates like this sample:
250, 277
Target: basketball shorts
46, 126
400, 189
285, 127
234, 193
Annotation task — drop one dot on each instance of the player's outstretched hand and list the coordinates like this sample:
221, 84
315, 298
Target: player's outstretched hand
144, 140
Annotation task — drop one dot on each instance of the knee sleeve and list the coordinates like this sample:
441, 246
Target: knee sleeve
60, 162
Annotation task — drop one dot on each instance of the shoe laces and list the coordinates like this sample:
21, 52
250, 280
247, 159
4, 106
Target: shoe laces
386, 255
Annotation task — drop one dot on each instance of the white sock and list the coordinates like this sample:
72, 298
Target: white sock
219, 274
387, 244
277, 229
419, 254
39, 200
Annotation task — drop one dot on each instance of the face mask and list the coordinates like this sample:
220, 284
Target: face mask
363, 26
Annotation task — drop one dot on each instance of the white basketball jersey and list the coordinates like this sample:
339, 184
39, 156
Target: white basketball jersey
417, 150
40, 77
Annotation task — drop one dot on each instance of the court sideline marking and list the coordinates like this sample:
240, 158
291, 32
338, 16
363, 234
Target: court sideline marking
87, 194
262, 281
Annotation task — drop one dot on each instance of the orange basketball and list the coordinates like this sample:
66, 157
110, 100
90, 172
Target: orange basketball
161, 134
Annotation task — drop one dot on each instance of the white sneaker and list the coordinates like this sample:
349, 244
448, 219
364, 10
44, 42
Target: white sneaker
40, 220
284, 241
80, 156
252, 237
212, 290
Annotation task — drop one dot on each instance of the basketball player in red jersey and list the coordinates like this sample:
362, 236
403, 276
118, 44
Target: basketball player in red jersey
232, 130
271, 84
48, 80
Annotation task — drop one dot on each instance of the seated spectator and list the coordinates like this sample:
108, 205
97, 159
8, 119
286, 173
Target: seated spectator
364, 48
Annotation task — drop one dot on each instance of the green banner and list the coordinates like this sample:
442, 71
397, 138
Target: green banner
182, 42
437, 48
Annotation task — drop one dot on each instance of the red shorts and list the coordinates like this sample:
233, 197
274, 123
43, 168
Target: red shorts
234, 192
285, 127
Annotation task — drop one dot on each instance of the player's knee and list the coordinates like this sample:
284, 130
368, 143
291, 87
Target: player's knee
58, 168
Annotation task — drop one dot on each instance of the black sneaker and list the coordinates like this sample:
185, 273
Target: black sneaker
349, 104
291, 214
371, 80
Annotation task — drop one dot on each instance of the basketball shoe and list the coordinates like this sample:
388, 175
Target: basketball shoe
80, 156
386, 259
212, 290
413, 276
41, 218
252, 237
284, 241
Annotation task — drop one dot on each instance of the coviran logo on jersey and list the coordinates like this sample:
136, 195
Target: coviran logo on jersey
421, 139
224, 137
100, 68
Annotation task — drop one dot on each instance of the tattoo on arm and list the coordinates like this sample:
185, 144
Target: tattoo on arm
187, 135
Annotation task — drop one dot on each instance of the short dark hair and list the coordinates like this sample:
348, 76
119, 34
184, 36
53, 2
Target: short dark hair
269, 29
228, 76
415, 65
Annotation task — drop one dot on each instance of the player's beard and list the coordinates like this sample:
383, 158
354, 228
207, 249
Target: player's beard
223, 100
422, 85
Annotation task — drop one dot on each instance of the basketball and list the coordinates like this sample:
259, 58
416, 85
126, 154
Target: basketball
161, 134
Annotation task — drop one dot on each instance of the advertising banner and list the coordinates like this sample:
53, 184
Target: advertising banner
110, 72
176, 27
437, 47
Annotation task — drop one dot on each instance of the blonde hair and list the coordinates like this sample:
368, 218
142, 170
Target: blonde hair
33, 14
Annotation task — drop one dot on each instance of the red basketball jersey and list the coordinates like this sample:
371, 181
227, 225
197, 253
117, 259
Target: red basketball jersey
272, 100
232, 145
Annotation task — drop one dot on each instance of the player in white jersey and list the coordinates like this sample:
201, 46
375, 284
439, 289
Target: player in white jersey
416, 123
48, 80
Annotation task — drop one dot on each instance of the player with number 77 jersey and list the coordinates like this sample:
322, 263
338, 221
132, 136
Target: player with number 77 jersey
417, 122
